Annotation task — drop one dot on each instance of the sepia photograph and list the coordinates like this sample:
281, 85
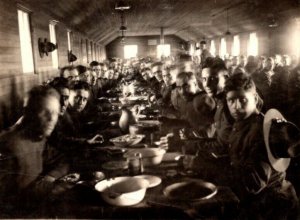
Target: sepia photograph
150, 109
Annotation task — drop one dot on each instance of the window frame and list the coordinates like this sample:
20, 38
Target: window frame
249, 46
163, 47
30, 51
130, 45
53, 39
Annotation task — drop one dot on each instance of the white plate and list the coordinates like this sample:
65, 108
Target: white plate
153, 180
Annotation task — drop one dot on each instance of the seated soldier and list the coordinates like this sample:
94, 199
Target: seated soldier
157, 69
153, 83
96, 67
163, 99
83, 117
69, 72
169, 77
264, 80
145, 73
191, 104
213, 79
263, 191
65, 137
24, 178
211, 152
234, 65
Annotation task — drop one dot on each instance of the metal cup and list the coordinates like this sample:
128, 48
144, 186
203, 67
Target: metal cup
188, 162
134, 165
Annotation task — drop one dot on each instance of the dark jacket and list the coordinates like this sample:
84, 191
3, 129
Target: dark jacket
261, 189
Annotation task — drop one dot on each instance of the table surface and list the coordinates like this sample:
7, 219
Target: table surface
83, 201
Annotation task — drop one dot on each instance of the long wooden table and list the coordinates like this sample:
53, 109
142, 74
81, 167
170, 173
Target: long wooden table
83, 201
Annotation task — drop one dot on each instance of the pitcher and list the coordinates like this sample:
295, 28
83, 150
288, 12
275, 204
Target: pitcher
128, 117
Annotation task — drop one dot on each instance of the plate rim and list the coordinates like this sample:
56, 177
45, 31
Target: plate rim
167, 190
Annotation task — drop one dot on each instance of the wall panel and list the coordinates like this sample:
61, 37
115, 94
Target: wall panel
13, 83
115, 48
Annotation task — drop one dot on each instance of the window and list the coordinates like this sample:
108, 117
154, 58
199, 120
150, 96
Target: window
253, 45
223, 49
192, 49
213, 48
130, 51
295, 41
92, 51
236, 46
163, 50
54, 54
25, 42
95, 51
69, 40
87, 50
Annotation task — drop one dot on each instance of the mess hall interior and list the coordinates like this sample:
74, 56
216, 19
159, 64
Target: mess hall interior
150, 109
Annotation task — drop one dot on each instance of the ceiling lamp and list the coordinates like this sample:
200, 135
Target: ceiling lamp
123, 28
122, 6
272, 22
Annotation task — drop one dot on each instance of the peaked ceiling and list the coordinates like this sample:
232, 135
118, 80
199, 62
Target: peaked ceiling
188, 19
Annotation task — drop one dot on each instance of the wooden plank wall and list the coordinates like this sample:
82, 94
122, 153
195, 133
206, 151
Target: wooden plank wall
115, 48
14, 84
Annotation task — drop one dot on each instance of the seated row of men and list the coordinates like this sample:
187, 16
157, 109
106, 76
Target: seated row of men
225, 109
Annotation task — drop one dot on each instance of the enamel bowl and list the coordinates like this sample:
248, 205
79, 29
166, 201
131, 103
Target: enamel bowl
123, 191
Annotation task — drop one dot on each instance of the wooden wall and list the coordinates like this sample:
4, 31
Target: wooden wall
278, 40
115, 48
13, 82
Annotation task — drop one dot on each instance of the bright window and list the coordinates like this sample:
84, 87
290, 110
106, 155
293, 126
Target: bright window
54, 54
163, 50
223, 49
130, 51
253, 45
92, 51
213, 48
69, 40
87, 50
236, 46
25, 42
295, 42
192, 50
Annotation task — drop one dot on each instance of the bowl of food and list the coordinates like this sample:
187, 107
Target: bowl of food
191, 190
123, 191
70, 178
150, 156
127, 140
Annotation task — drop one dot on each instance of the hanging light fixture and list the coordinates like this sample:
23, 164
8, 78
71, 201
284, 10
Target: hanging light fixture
121, 6
123, 28
272, 21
